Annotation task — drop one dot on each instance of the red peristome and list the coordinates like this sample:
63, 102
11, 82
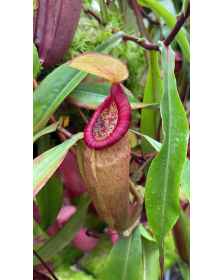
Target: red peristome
122, 123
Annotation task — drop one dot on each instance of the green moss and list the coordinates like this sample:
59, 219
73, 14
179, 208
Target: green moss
34, 7
65, 264
67, 256
70, 274
95, 261
71, 263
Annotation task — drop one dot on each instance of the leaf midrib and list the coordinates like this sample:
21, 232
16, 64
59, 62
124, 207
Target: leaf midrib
168, 155
154, 94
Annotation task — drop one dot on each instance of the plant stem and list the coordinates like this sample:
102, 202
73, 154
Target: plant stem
95, 234
45, 265
181, 20
136, 155
145, 163
93, 14
82, 115
140, 156
145, 45
161, 259
145, 15
64, 131
61, 135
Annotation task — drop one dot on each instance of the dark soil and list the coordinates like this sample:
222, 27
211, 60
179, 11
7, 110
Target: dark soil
175, 273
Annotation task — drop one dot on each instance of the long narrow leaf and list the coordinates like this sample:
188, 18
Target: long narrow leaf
58, 84
170, 21
145, 233
104, 12
163, 179
65, 235
184, 8
152, 94
46, 164
153, 142
150, 254
48, 129
125, 259
91, 96
49, 198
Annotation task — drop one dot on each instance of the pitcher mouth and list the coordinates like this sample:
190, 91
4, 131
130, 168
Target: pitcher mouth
111, 120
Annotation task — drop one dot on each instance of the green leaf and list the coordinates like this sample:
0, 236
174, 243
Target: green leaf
50, 197
185, 3
170, 21
153, 142
185, 224
163, 179
58, 84
46, 164
169, 5
36, 62
104, 12
49, 200
91, 96
152, 94
145, 233
65, 234
150, 259
43, 144
48, 129
125, 259
185, 178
